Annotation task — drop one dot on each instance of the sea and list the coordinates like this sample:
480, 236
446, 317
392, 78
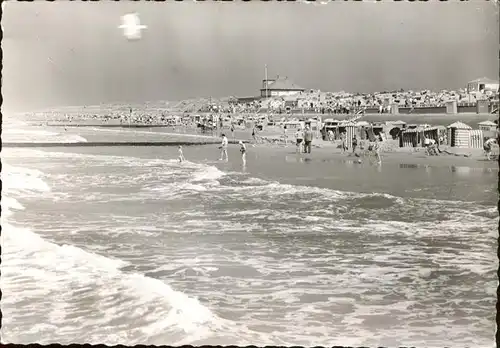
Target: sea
125, 245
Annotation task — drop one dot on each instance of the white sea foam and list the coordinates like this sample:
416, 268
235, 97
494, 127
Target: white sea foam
135, 131
11, 134
41, 271
207, 173
22, 179
275, 264
9, 131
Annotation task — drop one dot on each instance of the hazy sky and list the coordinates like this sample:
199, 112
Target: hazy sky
72, 53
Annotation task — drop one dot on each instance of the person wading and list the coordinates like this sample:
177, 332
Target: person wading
299, 137
181, 155
343, 140
223, 148
376, 150
243, 151
308, 138
354, 144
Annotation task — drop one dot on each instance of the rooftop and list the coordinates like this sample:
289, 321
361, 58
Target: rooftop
283, 84
483, 80
459, 125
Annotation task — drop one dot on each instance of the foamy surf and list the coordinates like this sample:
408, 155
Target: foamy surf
36, 269
39, 135
135, 131
254, 257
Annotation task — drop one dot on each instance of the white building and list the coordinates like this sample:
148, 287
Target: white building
482, 84
279, 87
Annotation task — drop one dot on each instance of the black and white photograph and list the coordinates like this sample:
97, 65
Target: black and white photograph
250, 173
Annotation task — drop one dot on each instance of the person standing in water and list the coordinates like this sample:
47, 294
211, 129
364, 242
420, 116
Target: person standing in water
299, 137
308, 138
343, 140
232, 130
354, 144
376, 151
243, 151
223, 147
181, 155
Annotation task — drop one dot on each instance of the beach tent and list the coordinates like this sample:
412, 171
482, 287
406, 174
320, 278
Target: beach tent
411, 137
363, 128
363, 124
432, 132
415, 136
395, 128
396, 123
370, 135
476, 139
351, 130
458, 134
487, 125
377, 128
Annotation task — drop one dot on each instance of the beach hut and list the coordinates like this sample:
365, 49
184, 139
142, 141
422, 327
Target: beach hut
458, 134
362, 124
294, 125
196, 118
487, 126
432, 132
398, 123
411, 137
378, 128
395, 128
476, 139
351, 130
331, 122
313, 124
363, 127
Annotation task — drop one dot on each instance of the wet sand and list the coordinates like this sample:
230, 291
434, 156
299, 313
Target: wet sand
403, 156
322, 150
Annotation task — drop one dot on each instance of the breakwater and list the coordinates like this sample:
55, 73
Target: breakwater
115, 143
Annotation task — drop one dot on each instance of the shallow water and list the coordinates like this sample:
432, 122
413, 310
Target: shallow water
128, 246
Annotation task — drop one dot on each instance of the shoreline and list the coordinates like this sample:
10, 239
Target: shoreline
326, 154
321, 151
113, 143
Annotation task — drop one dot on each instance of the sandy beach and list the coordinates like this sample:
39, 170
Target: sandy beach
322, 150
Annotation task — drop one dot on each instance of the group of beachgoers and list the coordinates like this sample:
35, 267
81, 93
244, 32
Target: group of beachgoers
304, 139
223, 151
344, 103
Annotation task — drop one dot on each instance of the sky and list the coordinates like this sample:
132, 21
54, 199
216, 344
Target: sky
73, 53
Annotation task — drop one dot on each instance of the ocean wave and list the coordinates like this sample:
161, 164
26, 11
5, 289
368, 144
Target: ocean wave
71, 275
127, 130
29, 131
174, 179
302, 253
37, 269
22, 179
207, 173
30, 135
